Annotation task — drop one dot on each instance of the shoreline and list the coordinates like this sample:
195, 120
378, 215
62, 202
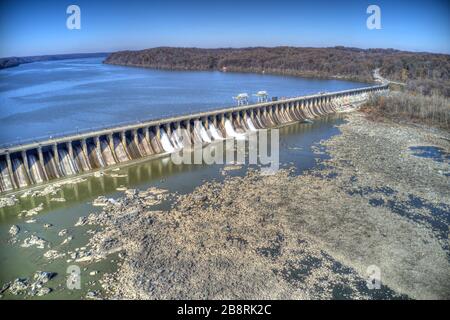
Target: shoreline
295, 237
370, 201
258, 72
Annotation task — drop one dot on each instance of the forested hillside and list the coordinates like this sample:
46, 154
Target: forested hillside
15, 61
423, 72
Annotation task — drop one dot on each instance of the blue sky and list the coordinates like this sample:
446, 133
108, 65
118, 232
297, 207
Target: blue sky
39, 27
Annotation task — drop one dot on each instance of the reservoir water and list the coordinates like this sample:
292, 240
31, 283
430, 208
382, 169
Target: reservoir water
43, 99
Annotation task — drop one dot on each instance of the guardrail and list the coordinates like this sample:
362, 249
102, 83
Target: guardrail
115, 125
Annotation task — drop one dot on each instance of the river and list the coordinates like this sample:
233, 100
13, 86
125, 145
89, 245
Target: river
46, 98
42, 99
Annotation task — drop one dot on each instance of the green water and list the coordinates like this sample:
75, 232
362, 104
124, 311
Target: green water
296, 141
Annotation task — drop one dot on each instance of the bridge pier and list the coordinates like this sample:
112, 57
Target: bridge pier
56, 158
41, 161
136, 138
123, 138
85, 151
98, 147
71, 155
110, 139
97, 142
10, 170
147, 134
27, 168
245, 117
188, 126
70, 149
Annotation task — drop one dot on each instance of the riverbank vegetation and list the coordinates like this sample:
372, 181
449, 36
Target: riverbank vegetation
423, 72
16, 61
410, 106
423, 78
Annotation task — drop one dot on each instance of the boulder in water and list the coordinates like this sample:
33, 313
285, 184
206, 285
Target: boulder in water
81, 221
18, 286
7, 202
43, 276
34, 241
14, 230
92, 295
37, 287
53, 254
43, 291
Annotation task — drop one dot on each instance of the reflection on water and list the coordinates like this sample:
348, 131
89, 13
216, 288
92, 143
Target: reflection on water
53, 97
432, 152
295, 142
295, 149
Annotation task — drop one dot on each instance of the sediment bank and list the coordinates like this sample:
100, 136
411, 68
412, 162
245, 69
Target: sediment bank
296, 237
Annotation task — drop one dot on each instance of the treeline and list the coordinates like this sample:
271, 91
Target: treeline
431, 110
424, 72
15, 61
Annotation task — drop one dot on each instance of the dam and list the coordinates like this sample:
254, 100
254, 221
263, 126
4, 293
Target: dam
38, 162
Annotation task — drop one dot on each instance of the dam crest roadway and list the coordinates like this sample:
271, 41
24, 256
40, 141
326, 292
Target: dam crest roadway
38, 162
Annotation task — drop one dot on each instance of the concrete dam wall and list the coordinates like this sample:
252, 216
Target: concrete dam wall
43, 161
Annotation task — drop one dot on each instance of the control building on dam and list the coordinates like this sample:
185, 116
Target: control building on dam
23, 165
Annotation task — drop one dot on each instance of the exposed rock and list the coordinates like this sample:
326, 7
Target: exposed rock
156, 191
62, 233
92, 295
26, 194
151, 202
99, 174
42, 291
43, 276
130, 193
7, 202
67, 240
18, 286
34, 211
232, 167
14, 230
81, 221
52, 189
40, 278
115, 175
34, 240
53, 254
200, 197
309, 236
5, 287
100, 201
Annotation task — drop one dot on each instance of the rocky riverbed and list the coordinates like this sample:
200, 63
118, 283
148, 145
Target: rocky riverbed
375, 202
313, 236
